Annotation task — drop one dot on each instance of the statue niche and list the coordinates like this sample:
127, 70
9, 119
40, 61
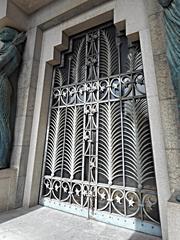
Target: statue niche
10, 59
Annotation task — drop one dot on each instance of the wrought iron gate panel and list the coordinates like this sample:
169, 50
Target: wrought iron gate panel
98, 158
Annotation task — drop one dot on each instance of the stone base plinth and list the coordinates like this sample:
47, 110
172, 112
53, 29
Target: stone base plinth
174, 218
7, 189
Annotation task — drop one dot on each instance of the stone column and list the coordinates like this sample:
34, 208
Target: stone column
166, 94
168, 112
25, 108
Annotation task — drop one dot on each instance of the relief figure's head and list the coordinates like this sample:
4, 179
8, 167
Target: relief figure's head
165, 3
7, 34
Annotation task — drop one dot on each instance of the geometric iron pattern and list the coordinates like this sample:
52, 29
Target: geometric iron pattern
98, 154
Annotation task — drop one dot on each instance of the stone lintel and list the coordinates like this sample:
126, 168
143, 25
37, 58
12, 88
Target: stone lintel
12, 16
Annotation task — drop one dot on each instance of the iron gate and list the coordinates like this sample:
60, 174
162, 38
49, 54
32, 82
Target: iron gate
98, 156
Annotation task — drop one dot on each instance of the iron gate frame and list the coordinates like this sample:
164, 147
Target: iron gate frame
90, 211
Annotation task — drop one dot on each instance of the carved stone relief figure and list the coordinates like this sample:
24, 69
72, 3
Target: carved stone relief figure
165, 3
172, 26
10, 59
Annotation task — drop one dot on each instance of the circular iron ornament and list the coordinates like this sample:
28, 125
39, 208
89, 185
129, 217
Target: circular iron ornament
66, 189
116, 87
118, 198
133, 203
56, 97
126, 88
80, 93
76, 189
71, 96
48, 186
55, 189
103, 89
103, 196
64, 93
149, 201
139, 83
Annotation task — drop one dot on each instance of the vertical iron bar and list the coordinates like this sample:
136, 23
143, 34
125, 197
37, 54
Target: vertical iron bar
97, 123
119, 42
47, 135
84, 123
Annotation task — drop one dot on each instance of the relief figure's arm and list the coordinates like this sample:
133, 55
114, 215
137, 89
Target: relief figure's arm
7, 56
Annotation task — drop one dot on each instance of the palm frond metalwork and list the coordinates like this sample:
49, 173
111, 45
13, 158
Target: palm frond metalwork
108, 54
60, 77
77, 62
73, 142
138, 150
55, 141
110, 148
134, 61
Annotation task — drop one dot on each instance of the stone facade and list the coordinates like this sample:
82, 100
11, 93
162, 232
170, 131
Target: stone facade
48, 28
7, 189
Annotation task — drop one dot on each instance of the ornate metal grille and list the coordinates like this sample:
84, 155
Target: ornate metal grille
98, 157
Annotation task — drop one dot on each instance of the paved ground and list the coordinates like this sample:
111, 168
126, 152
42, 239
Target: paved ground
42, 223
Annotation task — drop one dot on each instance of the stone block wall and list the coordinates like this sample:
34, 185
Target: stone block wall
7, 189
166, 93
173, 217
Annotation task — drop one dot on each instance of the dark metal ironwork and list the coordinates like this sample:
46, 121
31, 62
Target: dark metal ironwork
98, 158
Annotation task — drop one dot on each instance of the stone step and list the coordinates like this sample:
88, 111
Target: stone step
41, 223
